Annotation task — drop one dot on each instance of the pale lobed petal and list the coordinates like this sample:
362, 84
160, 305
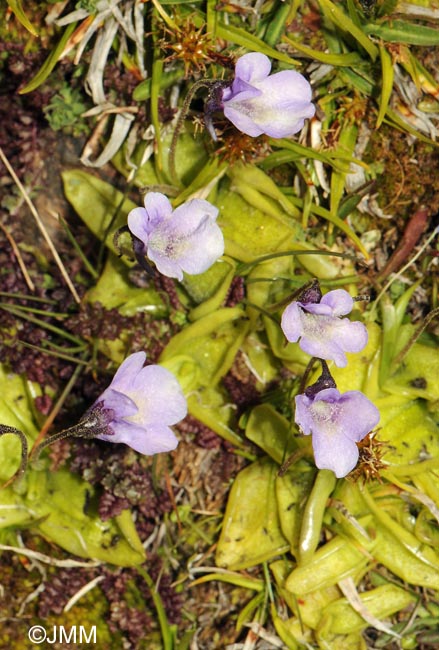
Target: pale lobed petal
138, 224
239, 89
252, 67
158, 207
121, 404
128, 369
242, 118
324, 348
142, 221
164, 264
149, 440
358, 416
339, 300
187, 217
336, 422
302, 414
207, 247
291, 322
353, 335
284, 105
139, 405
191, 241
158, 395
329, 337
337, 453
317, 308
280, 107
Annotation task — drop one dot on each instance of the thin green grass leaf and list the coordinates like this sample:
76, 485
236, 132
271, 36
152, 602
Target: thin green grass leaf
399, 31
346, 145
17, 9
308, 152
246, 612
168, 635
253, 43
351, 58
157, 69
386, 84
277, 25
343, 22
49, 63
41, 323
231, 578
334, 219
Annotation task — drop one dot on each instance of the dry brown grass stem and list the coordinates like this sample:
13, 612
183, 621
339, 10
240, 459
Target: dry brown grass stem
40, 225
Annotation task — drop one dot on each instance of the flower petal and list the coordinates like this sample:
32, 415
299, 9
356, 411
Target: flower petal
146, 440
336, 421
128, 369
291, 322
158, 207
339, 300
302, 415
329, 337
358, 416
191, 241
158, 396
138, 224
165, 265
336, 453
121, 404
241, 116
252, 67
353, 335
279, 111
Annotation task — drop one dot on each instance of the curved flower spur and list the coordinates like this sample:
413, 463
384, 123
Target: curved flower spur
184, 240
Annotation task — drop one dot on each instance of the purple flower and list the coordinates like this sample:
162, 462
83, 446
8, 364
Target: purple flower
187, 239
321, 332
138, 407
336, 421
258, 102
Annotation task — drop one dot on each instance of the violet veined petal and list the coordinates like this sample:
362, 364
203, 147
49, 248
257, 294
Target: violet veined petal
157, 206
357, 415
150, 440
336, 422
138, 406
291, 322
252, 67
165, 265
187, 239
284, 105
353, 335
339, 301
128, 369
281, 105
121, 404
138, 224
242, 118
338, 453
158, 395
